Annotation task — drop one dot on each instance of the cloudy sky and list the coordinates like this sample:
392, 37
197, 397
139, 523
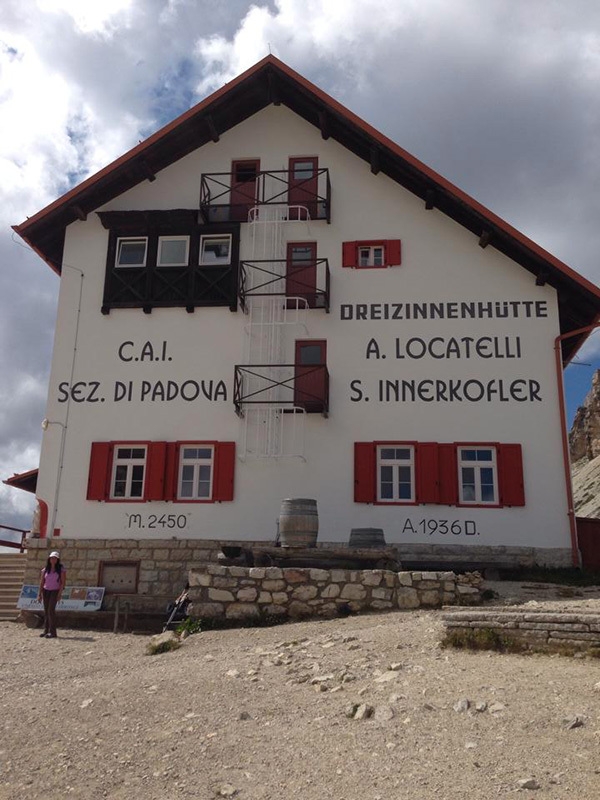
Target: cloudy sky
501, 97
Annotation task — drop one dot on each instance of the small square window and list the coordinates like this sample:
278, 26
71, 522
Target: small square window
131, 252
371, 256
215, 250
173, 251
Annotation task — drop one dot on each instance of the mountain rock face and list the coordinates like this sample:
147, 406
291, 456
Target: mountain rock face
584, 444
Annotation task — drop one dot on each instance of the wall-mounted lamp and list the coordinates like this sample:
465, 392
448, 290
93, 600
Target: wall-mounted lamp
47, 422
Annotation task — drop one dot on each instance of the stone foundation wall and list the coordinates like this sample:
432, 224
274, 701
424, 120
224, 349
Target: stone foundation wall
255, 592
538, 630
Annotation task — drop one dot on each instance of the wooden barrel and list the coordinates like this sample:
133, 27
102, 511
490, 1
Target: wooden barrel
366, 537
298, 522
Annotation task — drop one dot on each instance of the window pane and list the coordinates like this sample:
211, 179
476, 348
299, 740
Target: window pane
469, 455
131, 253
363, 256
190, 452
378, 257
204, 452
387, 491
404, 474
487, 493
137, 472
187, 472
303, 170
387, 452
187, 488
387, 474
310, 354
404, 491
484, 455
124, 452
173, 251
403, 455
138, 452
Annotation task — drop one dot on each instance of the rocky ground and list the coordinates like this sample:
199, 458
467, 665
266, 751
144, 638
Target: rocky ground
263, 714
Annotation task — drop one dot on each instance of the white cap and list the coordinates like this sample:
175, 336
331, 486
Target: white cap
54, 554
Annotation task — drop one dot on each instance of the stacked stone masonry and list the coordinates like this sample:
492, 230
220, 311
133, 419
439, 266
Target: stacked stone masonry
258, 592
537, 630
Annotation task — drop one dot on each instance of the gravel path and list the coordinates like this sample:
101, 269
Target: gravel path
260, 714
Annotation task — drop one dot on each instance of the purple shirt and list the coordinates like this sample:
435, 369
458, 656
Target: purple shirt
52, 579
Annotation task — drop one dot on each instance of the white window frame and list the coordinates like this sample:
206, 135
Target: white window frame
119, 461
478, 466
184, 263
121, 239
196, 462
371, 257
212, 236
395, 464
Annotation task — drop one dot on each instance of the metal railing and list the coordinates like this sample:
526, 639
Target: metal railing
20, 545
269, 187
275, 278
289, 385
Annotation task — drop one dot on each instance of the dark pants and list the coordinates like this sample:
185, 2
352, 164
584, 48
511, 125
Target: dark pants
50, 600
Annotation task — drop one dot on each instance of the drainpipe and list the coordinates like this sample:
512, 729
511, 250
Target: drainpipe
565, 437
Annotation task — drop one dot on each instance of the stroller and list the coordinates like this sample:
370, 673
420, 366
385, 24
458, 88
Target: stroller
177, 611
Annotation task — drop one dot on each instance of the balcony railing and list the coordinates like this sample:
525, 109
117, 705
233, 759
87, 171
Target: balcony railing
222, 200
292, 386
305, 286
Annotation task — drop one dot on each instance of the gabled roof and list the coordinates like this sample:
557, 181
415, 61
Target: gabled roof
272, 81
24, 480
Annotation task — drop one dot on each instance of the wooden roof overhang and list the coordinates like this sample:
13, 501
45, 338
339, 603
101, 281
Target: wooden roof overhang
272, 81
27, 481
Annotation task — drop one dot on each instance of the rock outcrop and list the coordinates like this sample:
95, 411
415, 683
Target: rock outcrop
584, 444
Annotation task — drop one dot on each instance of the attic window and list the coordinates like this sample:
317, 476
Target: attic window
131, 252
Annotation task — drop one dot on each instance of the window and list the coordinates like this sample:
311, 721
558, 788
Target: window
173, 251
215, 250
395, 474
195, 473
371, 254
131, 252
129, 472
450, 474
478, 477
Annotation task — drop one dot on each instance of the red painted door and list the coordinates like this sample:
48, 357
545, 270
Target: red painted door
301, 273
303, 185
310, 384
244, 184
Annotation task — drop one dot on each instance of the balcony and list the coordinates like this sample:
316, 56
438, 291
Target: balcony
289, 386
229, 196
305, 285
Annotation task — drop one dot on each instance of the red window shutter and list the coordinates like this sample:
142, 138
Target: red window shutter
364, 472
171, 471
448, 472
510, 475
349, 254
427, 469
100, 468
224, 471
155, 471
392, 253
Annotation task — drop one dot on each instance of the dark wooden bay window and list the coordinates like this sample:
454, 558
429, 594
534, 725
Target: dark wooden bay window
162, 259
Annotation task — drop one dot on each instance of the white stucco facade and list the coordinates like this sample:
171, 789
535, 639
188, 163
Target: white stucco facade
96, 356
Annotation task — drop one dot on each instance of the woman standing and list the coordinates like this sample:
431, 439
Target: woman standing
52, 583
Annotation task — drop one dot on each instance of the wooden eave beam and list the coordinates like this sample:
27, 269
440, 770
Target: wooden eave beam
542, 277
324, 124
374, 159
145, 169
485, 239
429, 199
78, 212
212, 128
